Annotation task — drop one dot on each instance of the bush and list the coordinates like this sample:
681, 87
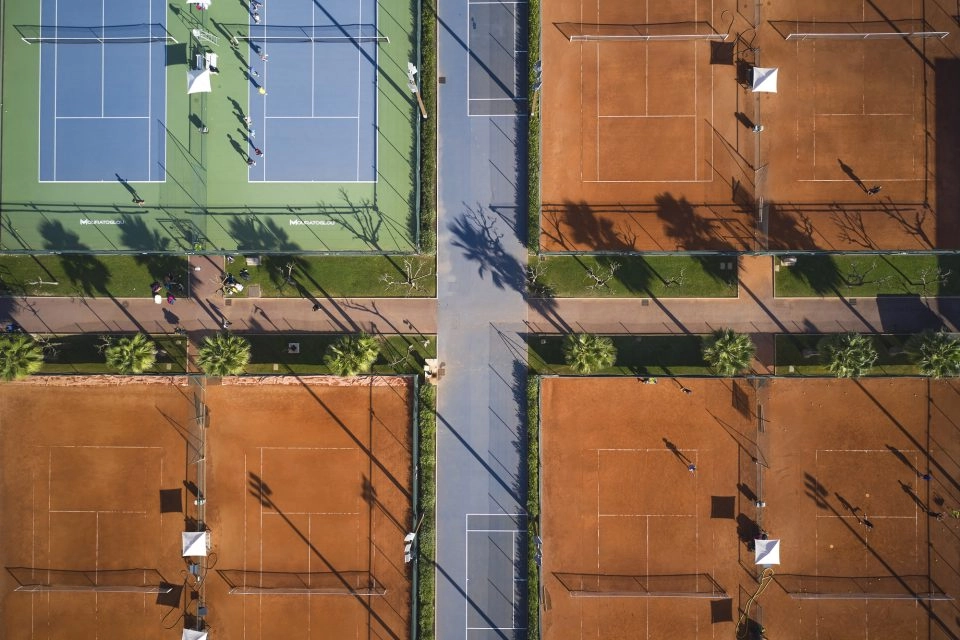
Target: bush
426, 538
428, 130
533, 507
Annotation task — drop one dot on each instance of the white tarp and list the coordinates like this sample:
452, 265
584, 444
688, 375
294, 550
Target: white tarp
767, 552
198, 81
190, 634
764, 80
194, 543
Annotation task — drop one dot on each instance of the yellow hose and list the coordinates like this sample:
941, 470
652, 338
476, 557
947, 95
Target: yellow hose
765, 578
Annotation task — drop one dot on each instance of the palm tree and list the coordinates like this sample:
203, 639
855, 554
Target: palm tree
223, 355
20, 356
848, 355
351, 355
728, 352
937, 353
586, 352
131, 355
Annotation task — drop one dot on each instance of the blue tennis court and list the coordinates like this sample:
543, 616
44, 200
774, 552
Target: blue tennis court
102, 90
317, 121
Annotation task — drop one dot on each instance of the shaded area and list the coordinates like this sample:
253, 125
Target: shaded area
947, 93
636, 355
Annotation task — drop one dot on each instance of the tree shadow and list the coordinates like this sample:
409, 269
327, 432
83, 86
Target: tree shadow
788, 230
253, 233
477, 235
819, 272
86, 272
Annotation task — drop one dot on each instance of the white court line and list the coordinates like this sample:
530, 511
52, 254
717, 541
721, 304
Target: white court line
101, 446
496, 99
103, 58
862, 115
311, 117
103, 117
56, 85
359, 67
680, 115
848, 180
646, 515
310, 448
98, 511
513, 567
316, 513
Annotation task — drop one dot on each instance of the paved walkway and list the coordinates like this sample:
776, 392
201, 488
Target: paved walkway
755, 310
481, 522
205, 309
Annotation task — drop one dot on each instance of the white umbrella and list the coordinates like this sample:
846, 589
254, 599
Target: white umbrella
198, 81
194, 543
766, 552
765, 79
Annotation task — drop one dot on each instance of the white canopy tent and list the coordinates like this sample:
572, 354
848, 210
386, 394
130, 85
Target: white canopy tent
194, 543
765, 79
766, 552
190, 634
198, 81
201, 4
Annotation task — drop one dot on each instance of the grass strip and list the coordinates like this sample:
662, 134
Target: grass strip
83, 354
340, 276
637, 355
861, 276
533, 129
271, 353
533, 506
427, 536
638, 276
428, 128
796, 355
86, 275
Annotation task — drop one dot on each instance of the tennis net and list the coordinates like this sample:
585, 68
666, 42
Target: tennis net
354, 33
98, 34
591, 585
855, 30
587, 32
301, 582
108, 580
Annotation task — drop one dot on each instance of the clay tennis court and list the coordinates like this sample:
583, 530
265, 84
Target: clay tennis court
309, 498
649, 145
637, 545
93, 496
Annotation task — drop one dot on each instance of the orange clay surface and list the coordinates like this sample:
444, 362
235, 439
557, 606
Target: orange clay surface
647, 146
618, 499
302, 477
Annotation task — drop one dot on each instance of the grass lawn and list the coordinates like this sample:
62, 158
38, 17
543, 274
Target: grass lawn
862, 276
340, 276
86, 275
269, 353
81, 354
790, 360
651, 276
651, 355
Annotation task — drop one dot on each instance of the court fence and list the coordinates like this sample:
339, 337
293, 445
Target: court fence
640, 32
855, 30
910, 587
103, 580
249, 582
691, 585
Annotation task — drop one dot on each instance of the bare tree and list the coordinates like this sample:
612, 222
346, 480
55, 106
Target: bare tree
930, 276
410, 277
600, 276
677, 280
535, 285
